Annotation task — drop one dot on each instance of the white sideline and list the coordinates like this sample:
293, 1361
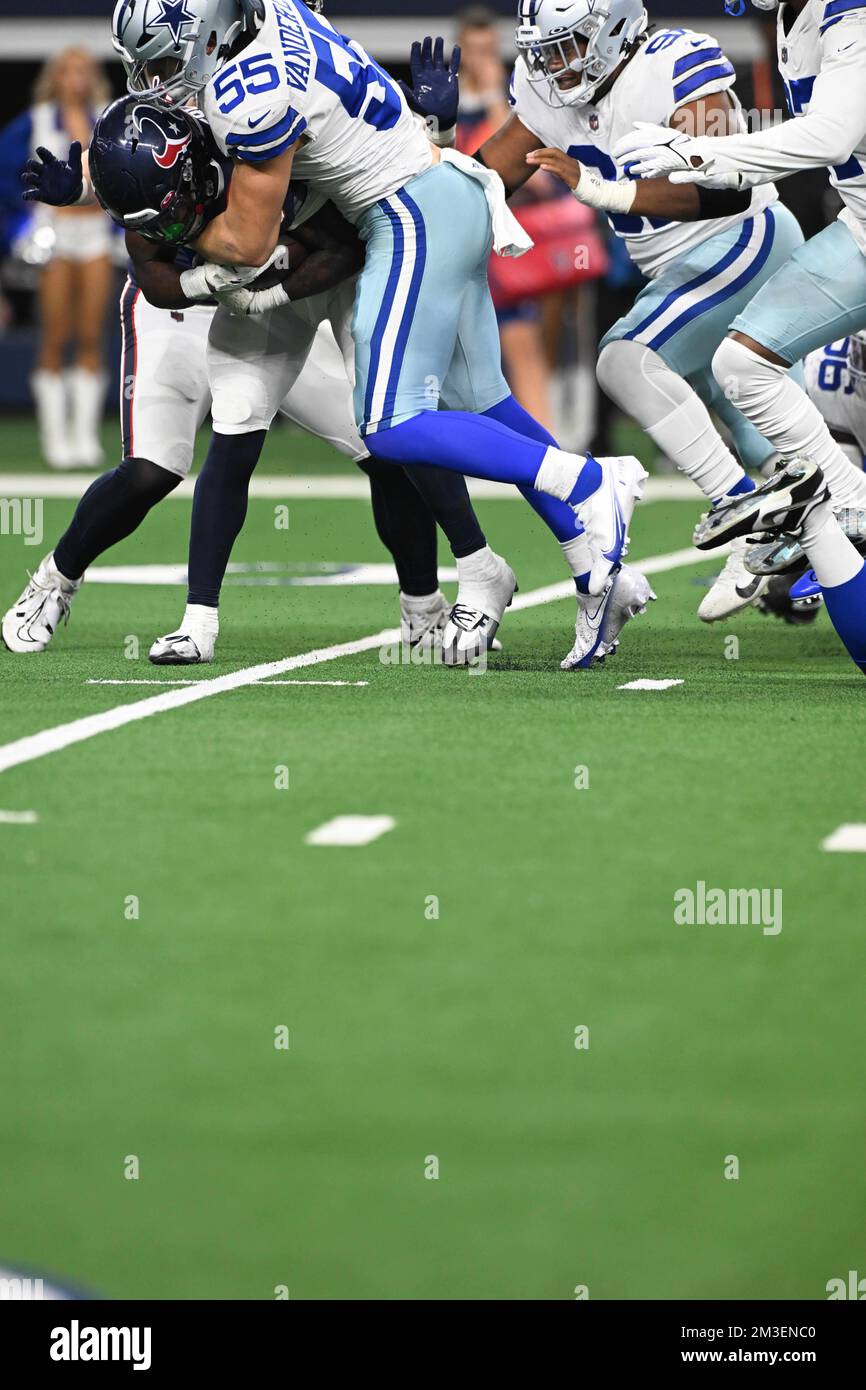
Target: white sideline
33, 746
349, 487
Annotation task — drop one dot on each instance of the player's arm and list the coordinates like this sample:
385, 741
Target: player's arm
248, 231
506, 152
834, 126
657, 197
336, 254
156, 273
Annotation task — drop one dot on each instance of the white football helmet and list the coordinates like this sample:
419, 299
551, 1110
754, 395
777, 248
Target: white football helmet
857, 362
586, 38
174, 47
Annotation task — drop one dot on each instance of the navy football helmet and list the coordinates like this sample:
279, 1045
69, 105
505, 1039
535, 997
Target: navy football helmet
156, 169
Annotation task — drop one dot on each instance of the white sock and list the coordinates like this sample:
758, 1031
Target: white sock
578, 557
673, 415
415, 603
832, 556
559, 473
481, 565
199, 615
784, 415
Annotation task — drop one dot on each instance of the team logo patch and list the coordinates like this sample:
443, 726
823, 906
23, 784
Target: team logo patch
593, 121
173, 15
784, 55
172, 150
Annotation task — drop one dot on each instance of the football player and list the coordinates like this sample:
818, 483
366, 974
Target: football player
820, 294
165, 395
586, 70
301, 100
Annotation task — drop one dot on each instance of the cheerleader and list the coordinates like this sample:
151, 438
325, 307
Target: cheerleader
76, 282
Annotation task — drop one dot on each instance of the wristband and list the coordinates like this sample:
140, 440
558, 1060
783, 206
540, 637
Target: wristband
609, 196
194, 283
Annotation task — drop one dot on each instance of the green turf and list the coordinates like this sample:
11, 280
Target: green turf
412, 1037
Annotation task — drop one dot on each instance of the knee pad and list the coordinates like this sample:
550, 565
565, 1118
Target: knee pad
737, 367
241, 406
616, 362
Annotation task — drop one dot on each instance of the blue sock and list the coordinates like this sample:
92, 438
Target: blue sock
746, 484
554, 513
465, 443
219, 509
846, 604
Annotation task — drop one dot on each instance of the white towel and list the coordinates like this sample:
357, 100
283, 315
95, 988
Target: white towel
509, 238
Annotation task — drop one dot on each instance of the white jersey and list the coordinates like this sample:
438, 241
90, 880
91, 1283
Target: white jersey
301, 83
803, 42
830, 387
672, 68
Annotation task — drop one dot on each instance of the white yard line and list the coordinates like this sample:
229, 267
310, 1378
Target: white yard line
18, 818
202, 679
649, 685
350, 830
346, 487
847, 839
33, 746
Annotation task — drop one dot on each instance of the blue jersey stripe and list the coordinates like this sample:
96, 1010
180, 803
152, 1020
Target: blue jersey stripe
694, 60
265, 137
702, 79
695, 284
838, 9
273, 151
385, 310
411, 304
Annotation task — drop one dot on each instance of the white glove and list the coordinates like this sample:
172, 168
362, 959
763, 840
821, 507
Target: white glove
244, 301
657, 152
205, 281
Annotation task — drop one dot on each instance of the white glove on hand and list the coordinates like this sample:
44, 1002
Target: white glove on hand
657, 152
244, 301
205, 281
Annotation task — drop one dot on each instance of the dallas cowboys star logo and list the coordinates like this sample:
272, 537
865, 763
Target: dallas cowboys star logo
173, 15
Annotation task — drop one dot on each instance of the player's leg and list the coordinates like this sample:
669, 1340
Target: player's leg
251, 364
818, 296
797, 501
87, 379
444, 494
163, 397
655, 362
423, 247
56, 313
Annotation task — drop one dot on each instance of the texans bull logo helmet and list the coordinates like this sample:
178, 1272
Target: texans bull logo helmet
155, 169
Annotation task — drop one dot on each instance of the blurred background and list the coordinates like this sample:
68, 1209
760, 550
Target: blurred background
61, 275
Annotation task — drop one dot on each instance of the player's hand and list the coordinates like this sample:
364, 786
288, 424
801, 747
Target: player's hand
209, 280
245, 301
559, 163
47, 179
435, 90
656, 152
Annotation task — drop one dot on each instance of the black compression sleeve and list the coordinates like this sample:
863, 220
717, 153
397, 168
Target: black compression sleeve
722, 202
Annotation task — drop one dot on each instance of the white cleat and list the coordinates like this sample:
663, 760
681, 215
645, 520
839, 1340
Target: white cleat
422, 621
470, 631
194, 647
735, 588
31, 623
601, 620
606, 516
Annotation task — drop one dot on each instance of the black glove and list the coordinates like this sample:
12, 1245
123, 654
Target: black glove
47, 179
